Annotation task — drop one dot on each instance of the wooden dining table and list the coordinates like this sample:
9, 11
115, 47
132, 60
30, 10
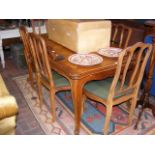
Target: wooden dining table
77, 75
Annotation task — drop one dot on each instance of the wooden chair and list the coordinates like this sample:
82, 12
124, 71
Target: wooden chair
36, 25
45, 76
28, 53
116, 90
148, 77
121, 35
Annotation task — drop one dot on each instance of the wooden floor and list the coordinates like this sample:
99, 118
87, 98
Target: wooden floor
26, 122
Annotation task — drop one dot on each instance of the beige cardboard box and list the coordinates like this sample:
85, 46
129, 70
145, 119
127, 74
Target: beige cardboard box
81, 36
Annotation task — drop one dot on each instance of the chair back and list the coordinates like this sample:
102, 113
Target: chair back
133, 58
36, 25
121, 35
27, 51
41, 60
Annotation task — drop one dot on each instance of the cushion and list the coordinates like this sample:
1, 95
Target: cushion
8, 106
101, 88
59, 80
7, 125
3, 89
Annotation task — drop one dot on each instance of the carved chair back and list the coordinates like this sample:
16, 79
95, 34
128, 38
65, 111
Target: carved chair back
121, 35
134, 57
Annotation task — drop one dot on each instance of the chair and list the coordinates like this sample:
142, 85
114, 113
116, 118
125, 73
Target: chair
116, 90
28, 54
45, 76
121, 35
36, 25
148, 82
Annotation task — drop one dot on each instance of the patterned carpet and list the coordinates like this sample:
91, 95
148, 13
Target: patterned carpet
92, 120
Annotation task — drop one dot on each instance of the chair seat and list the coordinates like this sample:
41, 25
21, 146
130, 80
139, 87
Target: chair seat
59, 80
101, 88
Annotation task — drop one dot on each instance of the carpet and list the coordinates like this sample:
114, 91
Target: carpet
92, 119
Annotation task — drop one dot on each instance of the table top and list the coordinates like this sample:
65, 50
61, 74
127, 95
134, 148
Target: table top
75, 71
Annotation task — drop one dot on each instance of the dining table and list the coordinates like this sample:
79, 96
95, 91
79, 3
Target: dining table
78, 75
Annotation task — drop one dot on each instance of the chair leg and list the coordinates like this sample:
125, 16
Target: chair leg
107, 119
30, 77
40, 91
83, 103
53, 106
132, 109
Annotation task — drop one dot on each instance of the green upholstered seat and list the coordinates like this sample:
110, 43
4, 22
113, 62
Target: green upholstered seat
101, 88
59, 80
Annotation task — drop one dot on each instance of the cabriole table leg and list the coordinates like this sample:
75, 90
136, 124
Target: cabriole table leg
77, 91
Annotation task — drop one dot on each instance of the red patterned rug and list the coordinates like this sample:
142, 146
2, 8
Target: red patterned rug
92, 120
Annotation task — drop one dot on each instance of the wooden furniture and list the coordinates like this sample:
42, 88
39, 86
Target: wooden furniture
149, 27
121, 88
144, 99
78, 75
121, 35
137, 29
12, 33
28, 54
8, 110
51, 80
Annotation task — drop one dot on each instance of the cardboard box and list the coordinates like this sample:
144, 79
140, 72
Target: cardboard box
81, 36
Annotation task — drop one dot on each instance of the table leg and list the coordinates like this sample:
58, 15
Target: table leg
2, 54
77, 91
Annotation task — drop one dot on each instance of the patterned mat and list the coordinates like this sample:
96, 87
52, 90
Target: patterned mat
92, 119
